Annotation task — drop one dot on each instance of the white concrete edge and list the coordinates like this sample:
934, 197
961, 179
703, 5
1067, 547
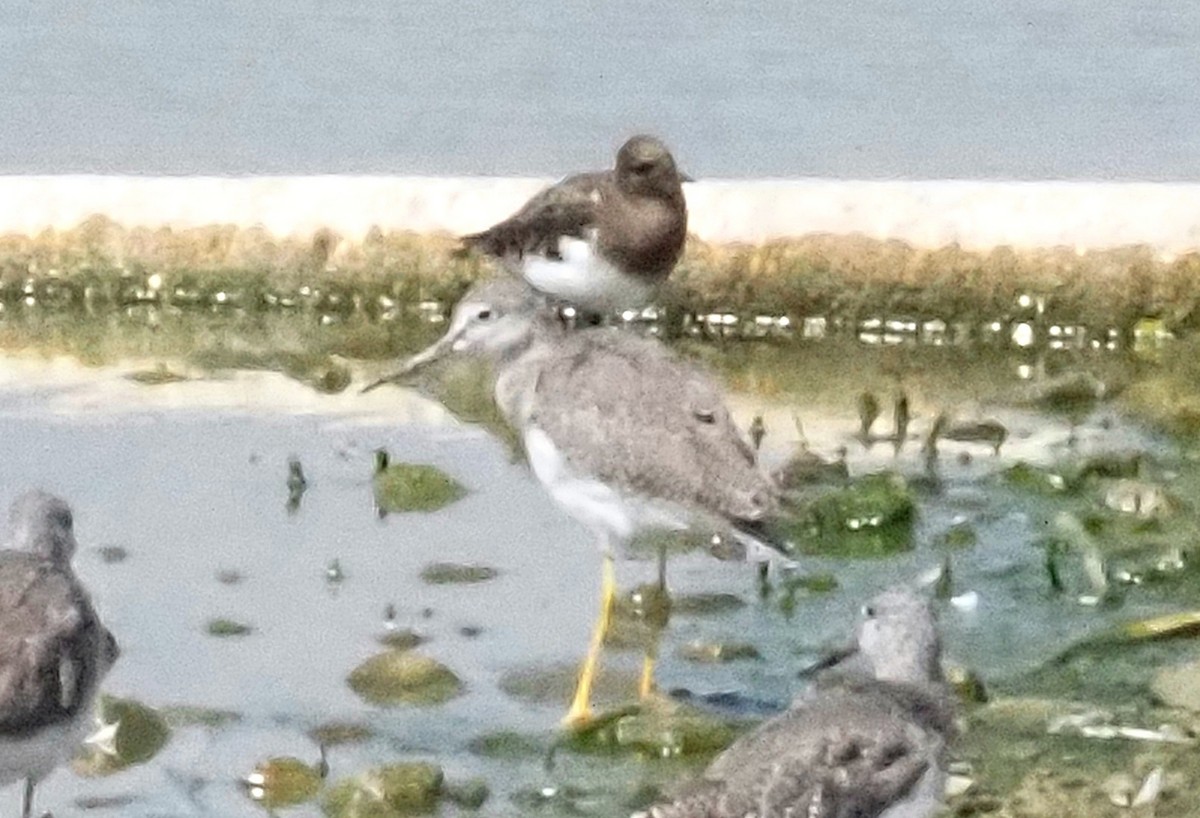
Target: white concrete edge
977, 215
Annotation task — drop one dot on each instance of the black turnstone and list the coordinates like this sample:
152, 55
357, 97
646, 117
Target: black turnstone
599, 241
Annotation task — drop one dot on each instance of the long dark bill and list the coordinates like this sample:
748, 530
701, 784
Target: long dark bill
423, 358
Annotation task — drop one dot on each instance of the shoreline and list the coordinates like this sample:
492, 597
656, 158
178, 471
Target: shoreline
927, 214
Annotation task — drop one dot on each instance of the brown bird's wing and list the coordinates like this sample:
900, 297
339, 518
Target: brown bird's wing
52, 647
565, 209
629, 412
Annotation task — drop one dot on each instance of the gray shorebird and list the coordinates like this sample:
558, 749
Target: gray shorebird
600, 241
622, 434
867, 740
53, 649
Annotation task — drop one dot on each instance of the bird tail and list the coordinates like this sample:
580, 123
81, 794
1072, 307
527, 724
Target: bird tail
762, 542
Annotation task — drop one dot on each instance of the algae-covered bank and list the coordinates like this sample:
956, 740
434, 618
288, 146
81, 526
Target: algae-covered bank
1013, 427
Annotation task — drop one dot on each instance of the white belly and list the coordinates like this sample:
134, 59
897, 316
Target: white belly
612, 515
35, 756
586, 280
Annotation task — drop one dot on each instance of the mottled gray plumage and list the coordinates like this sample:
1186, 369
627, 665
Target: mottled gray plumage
53, 649
619, 410
868, 740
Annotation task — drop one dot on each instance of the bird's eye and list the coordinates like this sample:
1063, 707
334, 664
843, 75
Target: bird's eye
484, 314
868, 611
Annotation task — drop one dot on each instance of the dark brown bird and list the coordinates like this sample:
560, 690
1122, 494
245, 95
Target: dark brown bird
600, 241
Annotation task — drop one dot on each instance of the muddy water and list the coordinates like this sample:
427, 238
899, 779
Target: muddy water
189, 478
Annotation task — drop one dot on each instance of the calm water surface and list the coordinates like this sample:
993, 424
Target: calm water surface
864, 88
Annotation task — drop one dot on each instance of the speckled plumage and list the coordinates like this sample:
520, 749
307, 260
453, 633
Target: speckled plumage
625, 420
868, 740
53, 649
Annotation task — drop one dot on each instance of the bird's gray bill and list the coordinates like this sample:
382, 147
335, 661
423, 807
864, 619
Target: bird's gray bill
831, 659
421, 359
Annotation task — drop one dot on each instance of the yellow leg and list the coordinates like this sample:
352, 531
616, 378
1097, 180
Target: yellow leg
646, 684
581, 706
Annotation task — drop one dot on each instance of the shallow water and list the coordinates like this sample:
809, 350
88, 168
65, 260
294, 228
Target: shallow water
189, 477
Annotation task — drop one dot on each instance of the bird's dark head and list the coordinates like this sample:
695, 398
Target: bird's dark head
42, 523
646, 167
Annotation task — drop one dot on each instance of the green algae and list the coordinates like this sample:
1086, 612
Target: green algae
223, 627
388, 791
334, 733
873, 517
507, 745
404, 487
285, 782
139, 733
404, 677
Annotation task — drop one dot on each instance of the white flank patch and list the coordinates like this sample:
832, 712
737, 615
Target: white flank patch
589, 501
585, 279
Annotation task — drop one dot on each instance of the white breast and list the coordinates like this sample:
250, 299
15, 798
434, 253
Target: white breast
586, 280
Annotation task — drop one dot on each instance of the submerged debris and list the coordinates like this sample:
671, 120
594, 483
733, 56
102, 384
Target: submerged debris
453, 573
296, 484
705, 652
